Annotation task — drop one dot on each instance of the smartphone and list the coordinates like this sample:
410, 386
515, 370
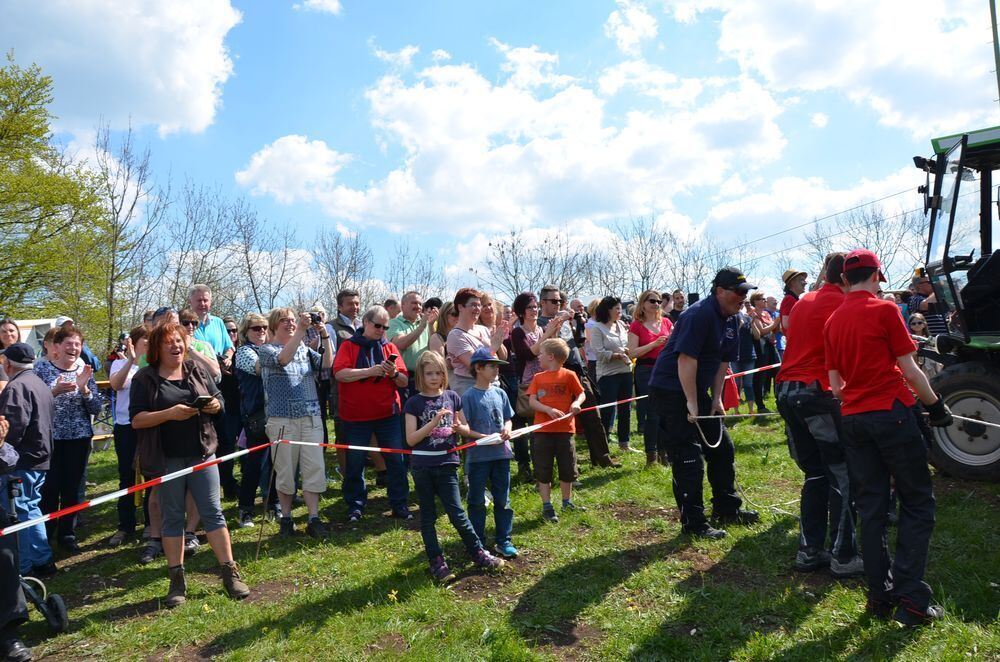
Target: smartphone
392, 357
201, 401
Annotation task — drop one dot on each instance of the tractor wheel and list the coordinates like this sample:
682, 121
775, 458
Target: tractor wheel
964, 449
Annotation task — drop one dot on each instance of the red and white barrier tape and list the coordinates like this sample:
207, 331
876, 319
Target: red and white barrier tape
96, 501
750, 372
111, 496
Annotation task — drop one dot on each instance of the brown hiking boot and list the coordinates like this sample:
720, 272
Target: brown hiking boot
176, 594
235, 586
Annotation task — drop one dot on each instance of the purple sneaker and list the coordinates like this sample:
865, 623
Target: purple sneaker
440, 571
487, 561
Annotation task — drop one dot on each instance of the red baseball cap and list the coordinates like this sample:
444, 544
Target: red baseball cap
860, 258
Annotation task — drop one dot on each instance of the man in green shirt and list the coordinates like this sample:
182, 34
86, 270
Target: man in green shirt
410, 331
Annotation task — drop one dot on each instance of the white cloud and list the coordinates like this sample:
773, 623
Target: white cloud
924, 67
156, 63
819, 120
402, 58
440, 55
534, 148
292, 168
324, 6
651, 80
630, 25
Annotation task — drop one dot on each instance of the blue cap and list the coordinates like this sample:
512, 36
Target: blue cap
484, 355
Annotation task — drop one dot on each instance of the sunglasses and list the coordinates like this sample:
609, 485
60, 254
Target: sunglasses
554, 300
656, 302
258, 328
918, 323
190, 323
232, 330
379, 326
286, 320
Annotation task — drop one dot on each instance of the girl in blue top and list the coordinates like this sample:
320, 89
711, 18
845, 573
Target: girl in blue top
434, 421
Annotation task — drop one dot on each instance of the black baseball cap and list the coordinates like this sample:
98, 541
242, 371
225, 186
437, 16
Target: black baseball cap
20, 353
731, 278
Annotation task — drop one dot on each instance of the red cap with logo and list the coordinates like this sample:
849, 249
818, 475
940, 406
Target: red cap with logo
860, 258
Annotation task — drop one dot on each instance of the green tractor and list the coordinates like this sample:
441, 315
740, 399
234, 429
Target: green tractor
964, 270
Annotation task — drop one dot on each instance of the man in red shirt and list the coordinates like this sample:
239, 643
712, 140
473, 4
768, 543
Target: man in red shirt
370, 371
812, 415
869, 356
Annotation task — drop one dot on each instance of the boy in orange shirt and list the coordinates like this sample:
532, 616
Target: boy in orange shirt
553, 393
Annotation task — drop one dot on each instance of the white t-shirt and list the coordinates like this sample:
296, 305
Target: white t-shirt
122, 396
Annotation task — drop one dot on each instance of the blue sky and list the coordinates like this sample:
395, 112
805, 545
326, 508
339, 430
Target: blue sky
448, 122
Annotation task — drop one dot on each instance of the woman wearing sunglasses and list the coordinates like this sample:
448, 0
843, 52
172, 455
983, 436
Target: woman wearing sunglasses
252, 334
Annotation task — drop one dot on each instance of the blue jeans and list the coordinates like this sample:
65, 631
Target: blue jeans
647, 418
746, 381
33, 544
613, 388
388, 434
442, 482
497, 472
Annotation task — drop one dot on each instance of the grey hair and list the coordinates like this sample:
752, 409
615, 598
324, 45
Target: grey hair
374, 312
199, 287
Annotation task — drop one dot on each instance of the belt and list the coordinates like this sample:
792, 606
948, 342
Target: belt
801, 387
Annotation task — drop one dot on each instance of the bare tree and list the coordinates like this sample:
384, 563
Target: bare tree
516, 263
198, 236
342, 261
268, 262
134, 209
413, 269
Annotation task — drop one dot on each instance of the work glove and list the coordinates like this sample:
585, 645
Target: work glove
940, 415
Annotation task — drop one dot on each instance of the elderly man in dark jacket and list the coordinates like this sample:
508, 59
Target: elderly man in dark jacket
27, 405
26, 410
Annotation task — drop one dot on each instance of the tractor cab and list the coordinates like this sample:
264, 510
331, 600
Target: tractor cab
962, 263
963, 266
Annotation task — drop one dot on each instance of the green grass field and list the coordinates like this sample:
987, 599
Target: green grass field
615, 582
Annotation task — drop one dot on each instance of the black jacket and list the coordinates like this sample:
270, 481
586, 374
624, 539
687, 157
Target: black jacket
27, 404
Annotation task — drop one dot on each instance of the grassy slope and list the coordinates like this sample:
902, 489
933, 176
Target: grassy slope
615, 582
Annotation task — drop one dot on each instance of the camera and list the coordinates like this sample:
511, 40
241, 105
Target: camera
315, 318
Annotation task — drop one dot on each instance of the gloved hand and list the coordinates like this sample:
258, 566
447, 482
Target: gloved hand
940, 415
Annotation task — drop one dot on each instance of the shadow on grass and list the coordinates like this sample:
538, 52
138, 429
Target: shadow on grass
312, 614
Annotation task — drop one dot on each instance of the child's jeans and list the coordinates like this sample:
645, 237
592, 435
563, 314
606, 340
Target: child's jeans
497, 472
442, 482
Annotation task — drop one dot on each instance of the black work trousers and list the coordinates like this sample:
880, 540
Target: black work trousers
589, 422
881, 445
689, 454
813, 419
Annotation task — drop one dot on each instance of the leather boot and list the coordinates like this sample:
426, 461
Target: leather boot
176, 595
664, 460
650, 459
231, 579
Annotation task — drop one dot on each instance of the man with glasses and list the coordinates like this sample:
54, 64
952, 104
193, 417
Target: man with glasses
288, 368
370, 373
410, 331
551, 301
687, 383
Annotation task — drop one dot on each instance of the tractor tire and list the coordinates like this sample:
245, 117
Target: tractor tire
967, 450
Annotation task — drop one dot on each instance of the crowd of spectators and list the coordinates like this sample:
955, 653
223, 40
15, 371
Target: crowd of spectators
423, 374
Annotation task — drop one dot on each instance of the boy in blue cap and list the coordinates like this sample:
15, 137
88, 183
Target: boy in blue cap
488, 411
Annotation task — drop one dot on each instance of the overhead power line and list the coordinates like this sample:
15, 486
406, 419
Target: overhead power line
812, 222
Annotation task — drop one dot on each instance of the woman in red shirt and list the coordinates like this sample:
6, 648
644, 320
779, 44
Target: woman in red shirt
647, 335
